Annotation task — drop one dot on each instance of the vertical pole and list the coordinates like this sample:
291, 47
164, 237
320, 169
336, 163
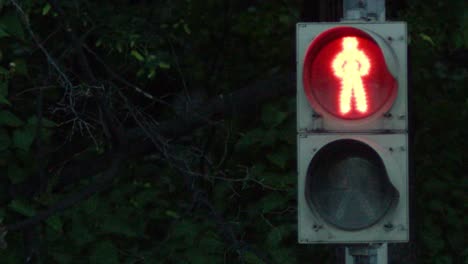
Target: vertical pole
369, 10
367, 254
365, 10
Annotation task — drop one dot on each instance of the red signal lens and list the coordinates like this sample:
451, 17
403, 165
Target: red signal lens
345, 75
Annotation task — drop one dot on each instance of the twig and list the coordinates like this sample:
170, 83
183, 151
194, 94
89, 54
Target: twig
116, 76
39, 44
217, 108
70, 92
34, 89
43, 179
182, 166
82, 60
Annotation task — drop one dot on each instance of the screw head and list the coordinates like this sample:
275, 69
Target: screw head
315, 115
388, 226
388, 115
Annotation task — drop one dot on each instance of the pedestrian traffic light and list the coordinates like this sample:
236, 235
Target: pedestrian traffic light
352, 123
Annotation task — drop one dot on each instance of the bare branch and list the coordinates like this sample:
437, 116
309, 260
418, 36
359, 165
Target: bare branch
239, 103
119, 78
49, 58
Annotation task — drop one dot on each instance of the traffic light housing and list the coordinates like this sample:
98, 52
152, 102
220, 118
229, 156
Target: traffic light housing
352, 123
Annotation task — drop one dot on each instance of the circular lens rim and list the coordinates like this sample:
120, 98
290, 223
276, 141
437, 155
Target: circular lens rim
346, 147
311, 53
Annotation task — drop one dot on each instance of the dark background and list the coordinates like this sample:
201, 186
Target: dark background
164, 131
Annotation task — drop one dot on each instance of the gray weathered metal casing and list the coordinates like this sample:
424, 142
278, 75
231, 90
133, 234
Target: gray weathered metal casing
393, 149
386, 134
392, 38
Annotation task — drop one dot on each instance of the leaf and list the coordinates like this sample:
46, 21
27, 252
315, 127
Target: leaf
145, 197
443, 260
16, 174
23, 138
427, 38
104, 253
4, 140
258, 170
272, 202
164, 65
198, 256
119, 48
55, 223
9, 119
90, 206
285, 19
4, 88
20, 67
151, 74
172, 214
270, 138
116, 225
4, 101
22, 207
210, 243
187, 29
26, 157
271, 116
12, 24
433, 242
274, 237
62, 257
46, 9
45, 122
279, 180
79, 232
279, 158
278, 234
436, 205
434, 185
3, 71
186, 230
251, 258
250, 138
137, 55
284, 255
4, 159
3, 33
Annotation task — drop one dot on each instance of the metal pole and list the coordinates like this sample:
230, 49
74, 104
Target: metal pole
368, 10
367, 254
365, 10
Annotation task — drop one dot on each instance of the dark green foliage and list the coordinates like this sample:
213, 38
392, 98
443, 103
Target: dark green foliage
226, 192
440, 108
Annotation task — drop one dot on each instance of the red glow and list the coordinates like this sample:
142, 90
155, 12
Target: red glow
350, 65
345, 75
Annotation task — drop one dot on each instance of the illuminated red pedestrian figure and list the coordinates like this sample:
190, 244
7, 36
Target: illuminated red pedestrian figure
350, 65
